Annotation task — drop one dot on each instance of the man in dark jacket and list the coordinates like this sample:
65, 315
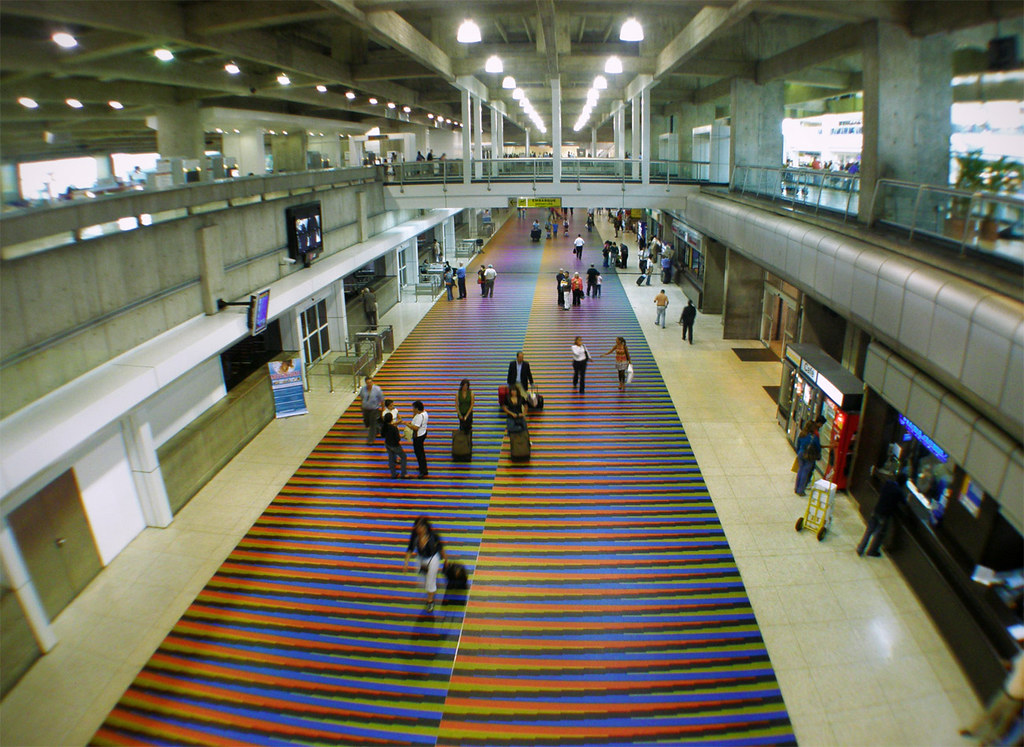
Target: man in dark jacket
889, 499
519, 374
687, 320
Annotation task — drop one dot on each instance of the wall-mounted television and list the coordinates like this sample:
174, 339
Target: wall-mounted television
259, 308
305, 231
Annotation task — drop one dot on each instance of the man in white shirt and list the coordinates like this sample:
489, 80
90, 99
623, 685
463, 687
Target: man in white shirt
489, 274
419, 435
578, 244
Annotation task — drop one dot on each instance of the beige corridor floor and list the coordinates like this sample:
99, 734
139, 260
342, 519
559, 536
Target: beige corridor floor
858, 660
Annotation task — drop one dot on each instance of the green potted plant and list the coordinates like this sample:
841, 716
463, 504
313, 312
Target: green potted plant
977, 174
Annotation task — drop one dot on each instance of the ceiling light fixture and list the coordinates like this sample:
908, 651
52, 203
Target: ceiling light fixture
407, 109
600, 83
74, 103
64, 39
349, 95
631, 31
164, 55
218, 130
321, 89
237, 131
284, 80
115, 105
509, 83
613, 66
28, 103
232, 69
493, 65
284, 132
391, 105
373, 102
469, 33
517, 94
430, 116
447, 121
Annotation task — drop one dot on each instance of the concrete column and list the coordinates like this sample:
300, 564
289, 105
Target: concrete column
690, 117
149, 480
337, 313
211, 267
179, 131
495, 142
527, 142
756, 128
478, 135
744, 286
448, 240
357, 151
364, 224
289, 152
619, 128
634, 128
645, 135
714, 277
907, 103
16, 574
247, 150
593, 142
467, 152
556, 129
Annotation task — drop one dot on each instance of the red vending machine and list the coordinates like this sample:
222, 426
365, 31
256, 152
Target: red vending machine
813, 385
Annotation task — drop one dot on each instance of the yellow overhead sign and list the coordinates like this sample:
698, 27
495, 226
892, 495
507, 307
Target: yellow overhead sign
540, 202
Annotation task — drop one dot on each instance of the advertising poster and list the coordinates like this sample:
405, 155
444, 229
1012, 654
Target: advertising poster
286, 384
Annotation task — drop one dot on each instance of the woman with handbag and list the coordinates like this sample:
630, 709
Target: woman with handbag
426, 543
622, 362
580, 357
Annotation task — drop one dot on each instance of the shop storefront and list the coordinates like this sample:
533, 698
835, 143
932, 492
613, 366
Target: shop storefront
815, 385
688, 257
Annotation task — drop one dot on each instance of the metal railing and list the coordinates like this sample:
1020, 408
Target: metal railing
979, 222
805, 190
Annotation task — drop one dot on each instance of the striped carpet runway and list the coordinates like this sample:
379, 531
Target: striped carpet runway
605, 606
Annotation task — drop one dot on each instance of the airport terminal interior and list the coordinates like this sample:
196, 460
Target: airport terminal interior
720, 234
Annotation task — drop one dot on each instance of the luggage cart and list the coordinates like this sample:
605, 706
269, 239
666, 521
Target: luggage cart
818, 517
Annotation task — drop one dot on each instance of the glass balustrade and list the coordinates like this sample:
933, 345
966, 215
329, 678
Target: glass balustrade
540, 170
805, 190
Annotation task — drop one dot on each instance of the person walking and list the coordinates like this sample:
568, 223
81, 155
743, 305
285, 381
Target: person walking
464, 401
623, 255
622, 360
429, 549
687, 319
449, 282
460, 274
489, 275
580, 358
371, 398
999, 723
808, 452
606, 252
661, 301
480, 280
578, 243
666, 269
393, 443
419, 435
560, 279
592, 275
370, 307
437, 251
519, 375
892, 494
577, 289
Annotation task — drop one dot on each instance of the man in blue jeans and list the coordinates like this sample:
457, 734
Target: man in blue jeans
661, 301
393, 443
889, 499
461, 275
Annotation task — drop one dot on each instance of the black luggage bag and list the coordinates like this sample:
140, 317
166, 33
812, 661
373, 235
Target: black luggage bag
456, 575
462, 446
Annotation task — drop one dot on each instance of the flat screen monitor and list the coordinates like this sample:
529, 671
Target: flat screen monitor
305, 231
259, 308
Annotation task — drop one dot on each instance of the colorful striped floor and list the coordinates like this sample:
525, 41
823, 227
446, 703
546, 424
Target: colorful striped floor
605, 606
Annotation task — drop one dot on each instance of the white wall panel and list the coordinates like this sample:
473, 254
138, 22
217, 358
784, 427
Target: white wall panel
988, 456
954, 426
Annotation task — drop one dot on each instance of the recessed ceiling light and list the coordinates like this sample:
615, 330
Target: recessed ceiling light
631, 31
469, 33
64, 39
237, 132
600, 83
28, 103
373, 101
447, 121
406, 109
284, 132
232, 68
272, 132
164, 55
218, 130
73, 103
430, 116
493, 65
508, 83
115, 105
321, 89
349, 95
613, 66
517, 94
391, 105
283, 79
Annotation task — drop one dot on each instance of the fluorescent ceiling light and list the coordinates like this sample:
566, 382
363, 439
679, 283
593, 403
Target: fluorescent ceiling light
218, 130
406, 109
600, 83
373, 102
321, 89
164, 55
284, 80
517, 94
28, 103
447, 121
391, 105
613, 66
469, 33
349, 95
430, 116
232, 69
237, 131
493, 65
631, 31
115, 105
73, 103
508, 83
64, 39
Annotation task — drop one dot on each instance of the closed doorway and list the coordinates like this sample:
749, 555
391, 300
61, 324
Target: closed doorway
56, 543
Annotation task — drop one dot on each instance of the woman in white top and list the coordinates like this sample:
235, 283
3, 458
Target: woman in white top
419, 435
580, 356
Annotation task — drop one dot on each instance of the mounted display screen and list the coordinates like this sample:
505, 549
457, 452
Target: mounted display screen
305, 231
259, 307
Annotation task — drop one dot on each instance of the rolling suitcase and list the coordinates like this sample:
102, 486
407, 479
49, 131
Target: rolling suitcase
519, 445
462, 447
502, 395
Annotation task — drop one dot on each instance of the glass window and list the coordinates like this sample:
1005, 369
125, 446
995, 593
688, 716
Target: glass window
316, 340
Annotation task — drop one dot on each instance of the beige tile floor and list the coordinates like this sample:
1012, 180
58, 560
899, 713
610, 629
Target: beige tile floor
858, 660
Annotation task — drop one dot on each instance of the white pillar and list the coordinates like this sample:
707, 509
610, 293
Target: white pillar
556, 130
619, 127
149, 480
448, 240
478, 135
467, 123
16, 574
645, 135
634, 129
593, 142
527, 142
